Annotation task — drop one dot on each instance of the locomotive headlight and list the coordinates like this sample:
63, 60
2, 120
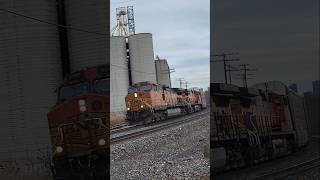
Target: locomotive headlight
141, 106
135, 95
101, 142
82, 108
82, 102
128, 109
82, 105
59, 149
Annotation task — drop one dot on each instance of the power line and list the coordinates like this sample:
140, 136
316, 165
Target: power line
186, 83
53, 24
181, 81
122, 2
231, 68
245, 74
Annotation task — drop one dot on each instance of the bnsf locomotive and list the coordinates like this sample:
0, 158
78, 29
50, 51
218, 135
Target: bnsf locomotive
147, 102
251, 125
79, 126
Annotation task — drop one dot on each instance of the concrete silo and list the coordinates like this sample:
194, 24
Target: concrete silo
142, 64
30, 71
87, 49
119, 75
163, 72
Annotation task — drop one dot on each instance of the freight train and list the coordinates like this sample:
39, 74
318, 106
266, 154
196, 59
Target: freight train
147, 102
79, 126
252, 125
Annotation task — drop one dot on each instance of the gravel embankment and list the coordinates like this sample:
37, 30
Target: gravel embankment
180, 152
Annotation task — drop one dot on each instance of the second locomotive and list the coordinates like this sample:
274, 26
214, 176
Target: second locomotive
147, 102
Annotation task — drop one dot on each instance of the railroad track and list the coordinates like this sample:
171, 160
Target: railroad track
122, 127
158, 127
290, 171
119, 126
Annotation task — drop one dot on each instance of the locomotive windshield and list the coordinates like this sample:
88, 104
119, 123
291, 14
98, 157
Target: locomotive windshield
69, 91
102, 86
132, 90
145, 88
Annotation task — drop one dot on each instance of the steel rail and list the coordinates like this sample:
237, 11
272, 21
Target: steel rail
126, 127
295, 169
122, 128
158, 128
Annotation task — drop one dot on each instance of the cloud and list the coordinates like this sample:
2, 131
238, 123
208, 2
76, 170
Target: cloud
181, 34
280, 38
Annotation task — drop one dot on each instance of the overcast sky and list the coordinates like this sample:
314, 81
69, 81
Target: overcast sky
181, 34
280, 38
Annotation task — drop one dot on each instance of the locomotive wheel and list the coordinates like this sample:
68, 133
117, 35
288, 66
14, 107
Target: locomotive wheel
148, 120
164, 116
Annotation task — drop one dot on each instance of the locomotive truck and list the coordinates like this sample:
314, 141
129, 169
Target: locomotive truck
147, 102
252, 125
79, 126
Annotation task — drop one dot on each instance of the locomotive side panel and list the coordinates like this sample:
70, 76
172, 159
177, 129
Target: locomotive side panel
147, 102
298, 118
250, 126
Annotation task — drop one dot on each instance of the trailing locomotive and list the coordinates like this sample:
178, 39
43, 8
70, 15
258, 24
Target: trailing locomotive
79, 127
148, 102
252, 125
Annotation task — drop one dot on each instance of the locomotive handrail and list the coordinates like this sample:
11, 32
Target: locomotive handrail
252, 133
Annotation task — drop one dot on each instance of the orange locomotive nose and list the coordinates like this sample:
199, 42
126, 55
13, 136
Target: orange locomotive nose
135, 101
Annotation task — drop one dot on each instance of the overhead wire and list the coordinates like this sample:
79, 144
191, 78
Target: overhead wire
122, 2
124, 68
53, 24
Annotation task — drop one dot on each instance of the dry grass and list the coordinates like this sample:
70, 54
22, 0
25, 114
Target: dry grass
25, 173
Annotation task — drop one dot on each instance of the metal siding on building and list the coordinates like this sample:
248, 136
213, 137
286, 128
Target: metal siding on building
30, 71
87, 49
142, 58
119, 73
163, 72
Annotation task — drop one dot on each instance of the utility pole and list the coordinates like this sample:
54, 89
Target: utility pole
181, 81
187, 84
231, 68
245, 74
224, 60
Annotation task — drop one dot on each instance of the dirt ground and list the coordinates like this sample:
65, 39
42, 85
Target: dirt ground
117, 118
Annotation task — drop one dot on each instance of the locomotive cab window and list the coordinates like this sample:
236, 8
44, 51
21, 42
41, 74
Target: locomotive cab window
132, 90
102, 86
69, 91
145, 88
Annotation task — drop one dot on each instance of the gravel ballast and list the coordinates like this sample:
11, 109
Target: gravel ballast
179, 152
